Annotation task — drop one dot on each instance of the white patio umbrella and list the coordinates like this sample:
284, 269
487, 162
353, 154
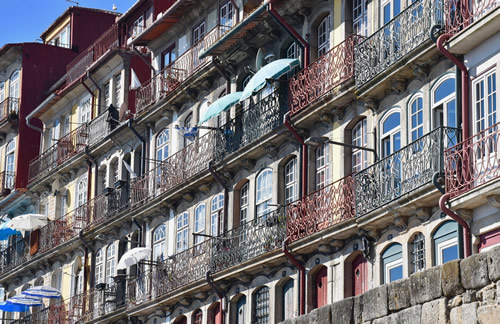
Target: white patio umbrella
25, 300
28, 222
42, 292
133, 256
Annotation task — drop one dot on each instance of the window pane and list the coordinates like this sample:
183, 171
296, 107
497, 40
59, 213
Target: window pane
445, 89
449, 253
396, 273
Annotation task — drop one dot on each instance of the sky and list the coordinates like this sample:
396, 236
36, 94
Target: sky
25, 20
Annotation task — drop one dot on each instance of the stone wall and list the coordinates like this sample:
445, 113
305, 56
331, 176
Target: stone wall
461, 291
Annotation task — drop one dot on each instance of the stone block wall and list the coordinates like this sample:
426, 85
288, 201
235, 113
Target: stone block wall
461, 291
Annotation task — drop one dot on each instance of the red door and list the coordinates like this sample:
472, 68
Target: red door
217, 317
320, 287
358, 275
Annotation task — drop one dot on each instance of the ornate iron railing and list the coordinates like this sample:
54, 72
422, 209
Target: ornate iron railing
15, 254
320, 210
9, 107
473, 162
403, 171
66, 147
216, 33
396, 39
460, 14
321, 76
171, 76
54, 314
101, 126
7, 180
249, 240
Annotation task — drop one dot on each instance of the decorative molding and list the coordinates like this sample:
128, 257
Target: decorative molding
494, 201
423, 213
465, 214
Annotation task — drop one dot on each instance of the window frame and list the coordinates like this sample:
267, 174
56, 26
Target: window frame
322, 169
487, 119
391, 133
418, 259
262, 301
99, 267
360, 20
117, 94
159, 239
198, 32
14, 84
244, 203
217, 215
110, 263
182, 232
362, 141
291, 181
265, 197
324, 46
443, 103
199, 223
162, 144
418, 101
441, 246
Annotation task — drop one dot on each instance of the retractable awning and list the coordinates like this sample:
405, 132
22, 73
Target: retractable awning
220, 105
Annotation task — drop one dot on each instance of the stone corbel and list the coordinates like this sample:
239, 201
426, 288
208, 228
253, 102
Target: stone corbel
465, 214
423, 214
494, 201
324, 248
371, 104
191, 93
337, 244
205, 188
400, 223
188, 196
397, 87
200, 295
420, 71
248, 164
271, 150
327, 117
185, 301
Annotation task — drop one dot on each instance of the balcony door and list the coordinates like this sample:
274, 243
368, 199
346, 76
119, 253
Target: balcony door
359, 275
226, 14
390, 167
320, 287
85, 110
10, 164
444, 110
390, 9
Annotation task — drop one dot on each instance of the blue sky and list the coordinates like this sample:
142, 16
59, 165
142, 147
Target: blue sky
25, 20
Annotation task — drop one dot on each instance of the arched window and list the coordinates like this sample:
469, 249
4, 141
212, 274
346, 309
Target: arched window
417, 248
81, 189
187, 123
115, 171
391, 133
57, 279
360, 17
159, 243
264, 192
261, 306
10, 164
291, 181
99, 266
198, 317
199, 223
446, 242
240, 310
162, 145
182, 232
85, 110
485, 100
110, 262
217, 215
444, 110
226, 13
392, 263
324, 36
322, 166
2, 91
287, 300
244, 203
293, 52
14, 85
359, 138
416, 119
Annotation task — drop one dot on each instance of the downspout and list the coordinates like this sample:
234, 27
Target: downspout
467, 235
36, 110
302, 277
286, 121
223, 74
219, 293
223, 185
289, 29
93, 97
97, 87
143, 153
140, 230
144, 60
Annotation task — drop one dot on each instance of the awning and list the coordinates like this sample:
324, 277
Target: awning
42, 292
220, 105
272, 70
6, 231
7, 306
133, 257
28, 222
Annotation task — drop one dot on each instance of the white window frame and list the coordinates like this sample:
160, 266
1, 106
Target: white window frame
110, 270
392, 13
162, 143
85, 110
2, 91
182, 232
291, 185
81, 191
360, 21
322, 159
200, 213
392, 265
390, 135
324, 32
159, 242
444, 245
485, 119
117, 81
226, 16
198, 33
66, 125
107, 94
217, 215
444, 102
264, 192
138, 26
244, 203
14, 84
359, 138
411, 114
99, 266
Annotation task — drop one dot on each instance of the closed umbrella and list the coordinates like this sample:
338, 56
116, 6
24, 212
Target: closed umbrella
7, 306
42, 292
133, 257
28, 222
25, 300
6, 231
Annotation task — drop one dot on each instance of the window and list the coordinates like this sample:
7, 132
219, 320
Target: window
261, 310
115, 171
287, 300
417, 118
57, 279
63, 38
78, 285
324, 36
66, 125
222, 117
85, 110
107, 94
110, 263
322, 166
264, 192
226, 16
391, 134
187, 123
162, 145
418, 253
444, 110
359, 138
168, 56
81, 189
10, 164
64, 205
138, 27
2, 91
360, 17
217, 215
445, 240
199, 223
390, 9
240, 310
118, 89
293, 52
244, 204
14, 85
291, 181
198, 33
99, 267
392, 263
159, 243
198, 317
182, 232
485, 102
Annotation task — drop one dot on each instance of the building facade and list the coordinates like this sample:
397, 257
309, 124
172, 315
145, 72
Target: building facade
372, 157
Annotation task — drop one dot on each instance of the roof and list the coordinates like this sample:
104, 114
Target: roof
131, 10
69, 10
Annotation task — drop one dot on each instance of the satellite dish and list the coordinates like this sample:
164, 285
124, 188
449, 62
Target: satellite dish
259, 60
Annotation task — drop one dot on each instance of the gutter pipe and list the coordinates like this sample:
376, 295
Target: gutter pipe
289, 29
95, 85
143, 153
219, 293
302, 277
467, 235
93, 97
36, 110
286, 122
144, 60
223, 185
223, 74
140, 230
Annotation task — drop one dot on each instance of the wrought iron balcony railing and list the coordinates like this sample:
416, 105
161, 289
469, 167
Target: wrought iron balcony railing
403, 171
15, 254
460, 14
102, 125
473, 162
51, 315
171, 76
9, 107
320, 210
66, 147
7, 180
396, 39
321, 76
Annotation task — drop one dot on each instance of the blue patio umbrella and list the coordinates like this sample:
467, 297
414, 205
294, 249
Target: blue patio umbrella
7, 306
25, 300
42, 292
6, 231
272, 70
220, 105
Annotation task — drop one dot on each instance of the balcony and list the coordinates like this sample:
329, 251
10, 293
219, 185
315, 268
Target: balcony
9, 109
66, 147
7, 179
402, 172
168, 79
102, 125
108, 41
460, 14
53, 314
473, 163
15, 254
396, 40
320, 210
323, 75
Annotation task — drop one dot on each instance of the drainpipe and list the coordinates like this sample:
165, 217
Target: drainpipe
140, 230
97, 87
289, 29
304, 153
223, 185
223, 74
144, 60
302, 277
219, 293
143, 153
36, 110
467, 235
93, 97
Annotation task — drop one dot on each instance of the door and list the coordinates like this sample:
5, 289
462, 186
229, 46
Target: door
85, 110
226, 16
288, 300
359, 275
216, 315
240, 310
320, 287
